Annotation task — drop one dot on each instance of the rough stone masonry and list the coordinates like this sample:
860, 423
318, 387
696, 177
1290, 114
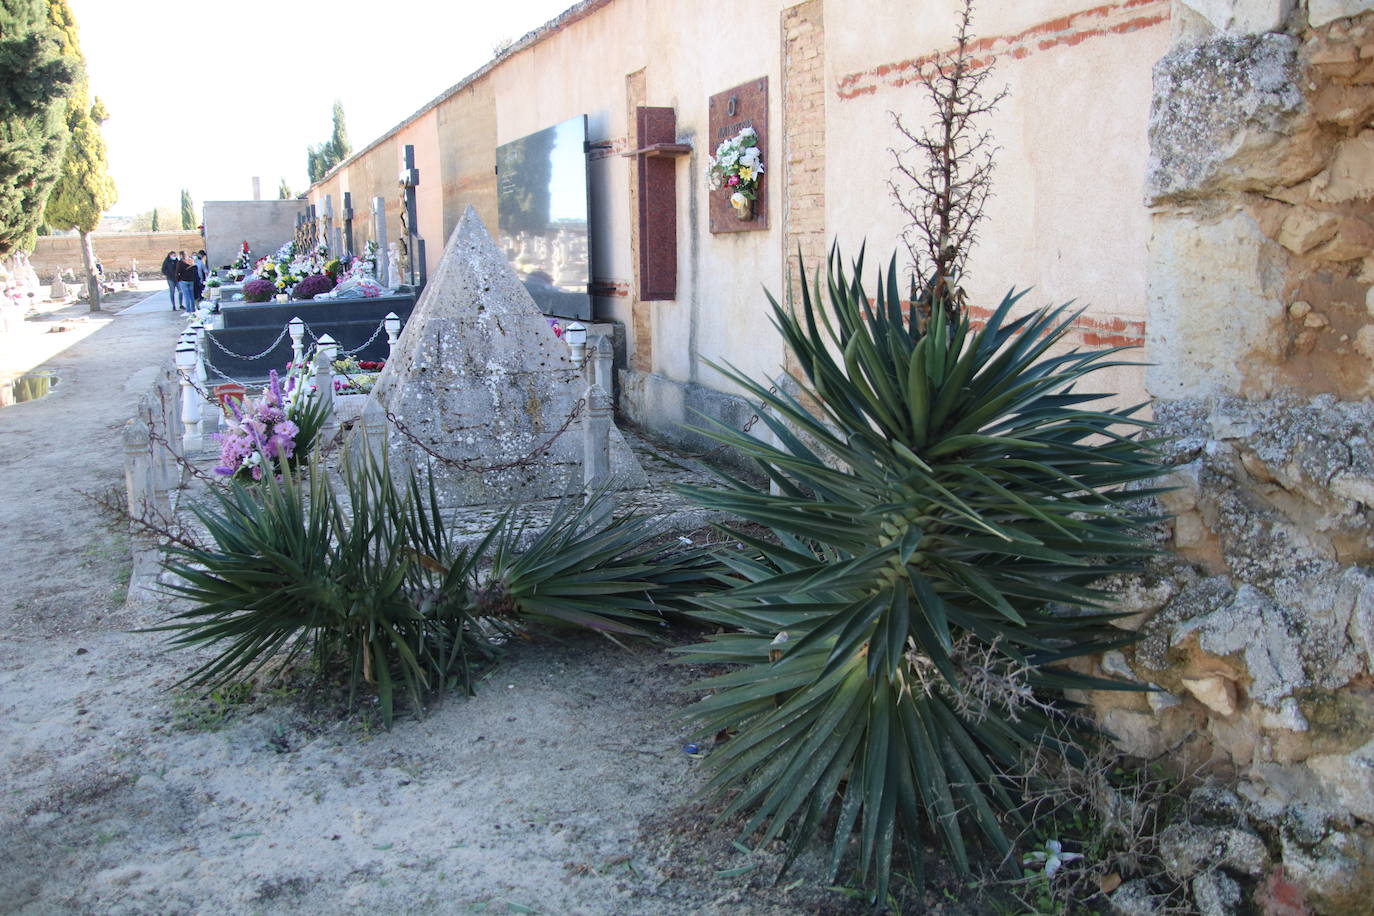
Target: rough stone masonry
1258, 629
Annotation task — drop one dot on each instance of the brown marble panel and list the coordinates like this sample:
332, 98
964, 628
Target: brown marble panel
729, 112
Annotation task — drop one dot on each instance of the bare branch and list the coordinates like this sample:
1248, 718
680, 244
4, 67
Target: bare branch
946, 171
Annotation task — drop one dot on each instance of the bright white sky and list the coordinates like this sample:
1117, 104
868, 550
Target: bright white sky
205, 95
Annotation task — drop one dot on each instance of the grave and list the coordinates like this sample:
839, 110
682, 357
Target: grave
250, 329
479, 379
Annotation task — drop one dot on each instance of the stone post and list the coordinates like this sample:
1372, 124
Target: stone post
190, 400
379, 236
138, 468
296, 329
392, 323
603, 364
325, 353
596, 438
209, 415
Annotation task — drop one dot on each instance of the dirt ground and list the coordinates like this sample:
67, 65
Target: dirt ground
560, 788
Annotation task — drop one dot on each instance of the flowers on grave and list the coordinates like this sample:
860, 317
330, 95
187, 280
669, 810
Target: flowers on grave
312, 286
737, 166
356, 285
332, 268
258, 290
272, 432
356, 376
367, 264
556, 328
213, 282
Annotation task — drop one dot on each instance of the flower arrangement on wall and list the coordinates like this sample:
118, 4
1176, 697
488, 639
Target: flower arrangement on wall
737, 167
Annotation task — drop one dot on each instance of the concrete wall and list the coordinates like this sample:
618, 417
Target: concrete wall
265, 224
1067, 216
116, 251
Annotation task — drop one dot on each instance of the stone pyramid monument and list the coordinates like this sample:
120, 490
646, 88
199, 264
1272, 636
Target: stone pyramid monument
479, 377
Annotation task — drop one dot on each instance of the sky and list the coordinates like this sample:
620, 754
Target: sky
204, 95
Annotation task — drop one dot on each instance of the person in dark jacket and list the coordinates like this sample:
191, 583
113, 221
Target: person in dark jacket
202, 271
169, 270
186, 283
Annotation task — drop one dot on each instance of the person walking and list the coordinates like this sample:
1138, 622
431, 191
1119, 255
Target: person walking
186, 283
169, 271
202, 271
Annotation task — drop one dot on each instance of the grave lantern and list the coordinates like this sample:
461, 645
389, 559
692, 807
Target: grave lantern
576, 336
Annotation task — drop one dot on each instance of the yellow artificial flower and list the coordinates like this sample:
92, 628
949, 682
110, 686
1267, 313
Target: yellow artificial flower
746, 174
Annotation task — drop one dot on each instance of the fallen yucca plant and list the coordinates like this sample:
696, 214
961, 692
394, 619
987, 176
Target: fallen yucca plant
376, 586
947, 499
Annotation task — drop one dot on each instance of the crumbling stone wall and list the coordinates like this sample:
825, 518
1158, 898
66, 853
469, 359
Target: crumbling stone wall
1258, 626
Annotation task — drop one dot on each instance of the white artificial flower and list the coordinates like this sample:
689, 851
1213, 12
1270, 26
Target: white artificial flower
1053, 856
738, 201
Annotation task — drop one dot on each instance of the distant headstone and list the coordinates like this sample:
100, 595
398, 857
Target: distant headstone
479, 378
383, 248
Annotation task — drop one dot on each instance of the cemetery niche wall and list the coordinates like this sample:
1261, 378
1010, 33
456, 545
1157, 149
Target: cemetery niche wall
543, 223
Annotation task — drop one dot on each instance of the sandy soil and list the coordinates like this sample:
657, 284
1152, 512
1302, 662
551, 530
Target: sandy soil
561, 788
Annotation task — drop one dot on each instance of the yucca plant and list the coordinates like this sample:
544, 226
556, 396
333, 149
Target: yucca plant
296, 571
947, 500
375, 584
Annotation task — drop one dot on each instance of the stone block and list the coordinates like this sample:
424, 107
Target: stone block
1229, 115
1353, 240
1323, 12
1216, 692
1215, 306
1305, 229
1187, 849
1216, 894
1243, 17
1350, 176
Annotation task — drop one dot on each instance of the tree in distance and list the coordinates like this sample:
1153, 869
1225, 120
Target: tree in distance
36, 78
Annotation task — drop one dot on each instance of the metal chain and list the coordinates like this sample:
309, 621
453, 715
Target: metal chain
526, 459
227, 378
250, 359
380, 327
358, 349
182, 460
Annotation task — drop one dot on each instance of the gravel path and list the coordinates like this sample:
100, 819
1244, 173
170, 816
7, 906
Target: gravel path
560, 788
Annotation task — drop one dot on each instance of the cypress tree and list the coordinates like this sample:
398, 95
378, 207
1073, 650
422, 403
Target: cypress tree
84, 189
284, 191
323, 157
36, 78
154, 227
188, 210
339, 147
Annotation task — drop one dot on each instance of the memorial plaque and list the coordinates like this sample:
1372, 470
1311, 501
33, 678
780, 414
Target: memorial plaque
729, 112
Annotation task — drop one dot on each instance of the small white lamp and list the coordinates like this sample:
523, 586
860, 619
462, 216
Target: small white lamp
576, 336
392, 322
296, 328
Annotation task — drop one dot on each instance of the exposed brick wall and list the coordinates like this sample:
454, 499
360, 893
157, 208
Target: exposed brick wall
114, 250
803, 145
641, 314
803, 114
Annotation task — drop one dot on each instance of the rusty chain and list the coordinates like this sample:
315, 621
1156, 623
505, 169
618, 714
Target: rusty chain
522, 461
